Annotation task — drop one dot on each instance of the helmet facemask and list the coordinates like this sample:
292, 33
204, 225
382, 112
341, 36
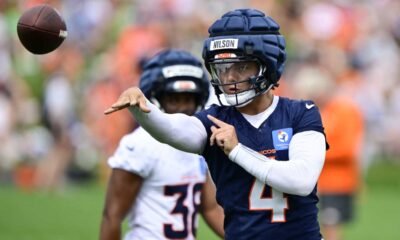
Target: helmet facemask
230, 75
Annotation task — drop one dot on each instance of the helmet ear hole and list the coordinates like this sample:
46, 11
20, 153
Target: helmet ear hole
157, 89
248, 49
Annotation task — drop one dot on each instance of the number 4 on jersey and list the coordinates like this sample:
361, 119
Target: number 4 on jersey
276, 202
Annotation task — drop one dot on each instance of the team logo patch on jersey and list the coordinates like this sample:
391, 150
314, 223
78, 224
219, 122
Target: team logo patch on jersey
281, 138
228, 43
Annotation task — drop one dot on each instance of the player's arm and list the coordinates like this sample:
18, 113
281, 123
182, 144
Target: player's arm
212, 212
181, 131
122, 190
298, 175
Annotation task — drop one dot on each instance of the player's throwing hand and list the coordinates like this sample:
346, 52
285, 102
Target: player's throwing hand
224, 136
130, 97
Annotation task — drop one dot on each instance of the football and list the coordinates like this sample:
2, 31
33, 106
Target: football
41, 29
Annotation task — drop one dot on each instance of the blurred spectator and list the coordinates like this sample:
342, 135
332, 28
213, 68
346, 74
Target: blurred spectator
102, 129
344, 127
59, 110
8, 155
133, 44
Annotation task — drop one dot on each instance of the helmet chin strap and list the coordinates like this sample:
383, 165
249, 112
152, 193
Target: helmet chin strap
240, 99
244, 98
233, 99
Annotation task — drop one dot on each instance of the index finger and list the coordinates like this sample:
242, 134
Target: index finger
216, 121
114, 109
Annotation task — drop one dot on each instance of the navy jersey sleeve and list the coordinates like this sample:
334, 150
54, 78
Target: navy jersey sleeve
306, 117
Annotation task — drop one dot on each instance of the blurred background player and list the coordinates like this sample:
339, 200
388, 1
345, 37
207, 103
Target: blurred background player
160, 189
339, 182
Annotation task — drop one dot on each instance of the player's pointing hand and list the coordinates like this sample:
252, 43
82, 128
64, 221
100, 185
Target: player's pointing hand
130, 97
224, 135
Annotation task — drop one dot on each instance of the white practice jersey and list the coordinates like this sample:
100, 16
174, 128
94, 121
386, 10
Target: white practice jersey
166, 205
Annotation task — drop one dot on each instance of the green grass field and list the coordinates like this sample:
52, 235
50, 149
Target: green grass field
75, 213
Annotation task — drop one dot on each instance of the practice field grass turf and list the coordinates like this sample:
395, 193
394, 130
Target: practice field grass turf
76, 212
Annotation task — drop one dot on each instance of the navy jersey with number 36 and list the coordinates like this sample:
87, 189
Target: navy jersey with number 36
254, 210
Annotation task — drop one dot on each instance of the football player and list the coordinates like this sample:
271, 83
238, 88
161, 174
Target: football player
265, 152
160, 189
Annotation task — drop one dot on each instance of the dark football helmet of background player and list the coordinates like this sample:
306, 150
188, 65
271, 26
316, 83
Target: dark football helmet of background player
175, 82
270, 195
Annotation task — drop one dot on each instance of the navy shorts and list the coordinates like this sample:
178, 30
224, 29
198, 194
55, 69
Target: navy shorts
336, 208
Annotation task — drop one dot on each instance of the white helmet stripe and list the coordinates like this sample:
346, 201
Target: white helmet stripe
182, 71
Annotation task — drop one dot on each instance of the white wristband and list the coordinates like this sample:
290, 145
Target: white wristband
232, 155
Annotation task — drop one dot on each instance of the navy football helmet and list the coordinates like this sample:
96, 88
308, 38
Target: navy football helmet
174, 71
248, 43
